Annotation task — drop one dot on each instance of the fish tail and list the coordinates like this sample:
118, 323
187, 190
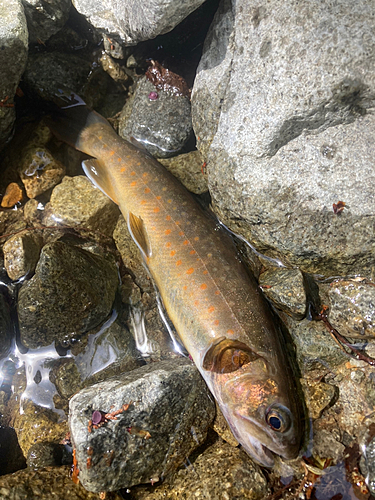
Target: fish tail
70, 123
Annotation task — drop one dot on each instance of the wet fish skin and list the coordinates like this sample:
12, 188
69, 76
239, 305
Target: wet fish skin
215, 305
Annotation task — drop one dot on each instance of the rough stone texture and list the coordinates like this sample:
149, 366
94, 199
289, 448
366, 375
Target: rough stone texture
318, 396
48, 483
72, 292
77, 202
44, 19
162, 126
222, 428
352, 308
6, 330
11, 457
39, 171
135, 21
170, 401
188, 168
47, 454
220, 472
285, 289
13, 56
21, 254
295, 132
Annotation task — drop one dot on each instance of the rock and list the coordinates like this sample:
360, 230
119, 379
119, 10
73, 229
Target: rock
12, 196
33, 212
77, 202
222, 428
162, 124
11, 457
318, 395
168, 417
221, 471
44, 20
291, 89
285, 289
114, 69
6, 330
39, 170
11, 222
135, 22
72, 292
352, 308
37, 425
47, 454
51, 482
66, 378
188, 168
13, 56
21, 254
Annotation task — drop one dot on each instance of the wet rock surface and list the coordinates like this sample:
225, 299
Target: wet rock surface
189, 169
45, 19
167, 418
72, 291
21, 254
135, 22
13, 56
221, 471
282, 167
47, 454
76, 202
158, 120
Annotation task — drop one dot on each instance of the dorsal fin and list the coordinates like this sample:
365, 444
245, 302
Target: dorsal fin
139, 234
97, 173
227, 355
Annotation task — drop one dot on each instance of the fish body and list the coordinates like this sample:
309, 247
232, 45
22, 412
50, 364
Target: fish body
215, 305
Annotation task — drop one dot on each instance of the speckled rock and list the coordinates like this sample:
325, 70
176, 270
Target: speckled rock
77, 202
135, 22
36, 425
220, 472
21, 254
168, 419
6, 330
188, 168
33, 212
47, 454
292, 86
11, 222
352, 308
13, 56
318, 395
44, 20
12, 196
115, 70
72, 292
39, 171
285, 289
222, 428
162, 126
51, 482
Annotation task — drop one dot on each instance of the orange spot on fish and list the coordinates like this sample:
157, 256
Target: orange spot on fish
104, 146
169, 201
196, 238
164, 188
186, 242
178, 263
100, 137
147, 190
211, 309
145, 175
181, 233
184, 287
167, 231
134, 183
122, 170
173, 252
196, 302
132, 173
217, 292
156, 210
168, 245
190, 271
205, 271
143, 202
203, 286
119, 159
192, 252
168, 217
230, 332
216, 322
139, 164
111, 153
158, 197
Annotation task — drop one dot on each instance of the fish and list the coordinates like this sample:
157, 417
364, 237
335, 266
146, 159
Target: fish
214, 303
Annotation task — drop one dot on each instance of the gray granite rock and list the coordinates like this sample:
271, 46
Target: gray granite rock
76, 202
285, 289
13, 56
162, 126
71, 292
136, 21
44, 19
167, 419
21, 254
291, 97
352, 308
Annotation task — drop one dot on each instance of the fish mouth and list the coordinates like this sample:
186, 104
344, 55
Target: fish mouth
259, 452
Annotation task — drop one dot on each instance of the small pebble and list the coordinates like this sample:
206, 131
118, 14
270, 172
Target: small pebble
13, 194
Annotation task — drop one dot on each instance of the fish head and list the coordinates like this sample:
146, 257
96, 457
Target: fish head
258, 400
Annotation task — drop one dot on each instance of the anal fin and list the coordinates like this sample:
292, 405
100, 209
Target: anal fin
97, 173
139, 234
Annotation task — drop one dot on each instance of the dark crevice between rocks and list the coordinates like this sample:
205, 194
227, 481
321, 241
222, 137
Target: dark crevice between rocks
350, 100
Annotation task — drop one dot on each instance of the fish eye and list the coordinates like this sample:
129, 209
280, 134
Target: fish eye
278, 418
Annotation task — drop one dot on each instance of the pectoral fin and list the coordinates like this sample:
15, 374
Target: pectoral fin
96, 172
226, 356
139, 234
